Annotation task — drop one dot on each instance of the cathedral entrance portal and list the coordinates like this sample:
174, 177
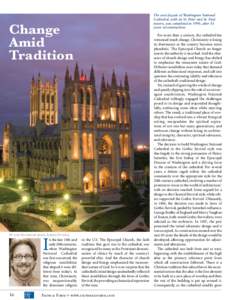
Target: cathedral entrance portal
88, 183
105, 179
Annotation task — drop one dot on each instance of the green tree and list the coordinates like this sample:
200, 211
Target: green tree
146, 192
129, 194
146, 200
31, 185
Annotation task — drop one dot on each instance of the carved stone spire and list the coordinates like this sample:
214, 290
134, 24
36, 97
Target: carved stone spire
103, 84
76, 73
54, 79
114, 81
92, 76
126, 82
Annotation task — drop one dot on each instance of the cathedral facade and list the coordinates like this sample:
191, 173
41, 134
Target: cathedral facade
89, 150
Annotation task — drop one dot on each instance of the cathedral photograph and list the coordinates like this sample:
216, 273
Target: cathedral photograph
75, 133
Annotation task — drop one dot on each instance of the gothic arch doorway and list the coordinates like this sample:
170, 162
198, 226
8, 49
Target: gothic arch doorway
105, 180
88, 183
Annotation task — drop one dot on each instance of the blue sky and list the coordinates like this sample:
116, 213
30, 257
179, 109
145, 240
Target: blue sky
119, 42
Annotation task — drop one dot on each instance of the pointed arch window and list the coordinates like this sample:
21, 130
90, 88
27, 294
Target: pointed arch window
123, 102
88, 98
81, 96
75, 108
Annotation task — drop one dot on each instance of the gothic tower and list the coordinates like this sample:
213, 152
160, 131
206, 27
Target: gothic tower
78, 130
115, 112
115, 101
43, 101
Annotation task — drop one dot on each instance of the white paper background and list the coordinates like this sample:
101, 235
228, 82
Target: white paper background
224, 24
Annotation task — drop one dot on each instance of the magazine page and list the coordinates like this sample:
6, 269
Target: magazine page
114, 150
